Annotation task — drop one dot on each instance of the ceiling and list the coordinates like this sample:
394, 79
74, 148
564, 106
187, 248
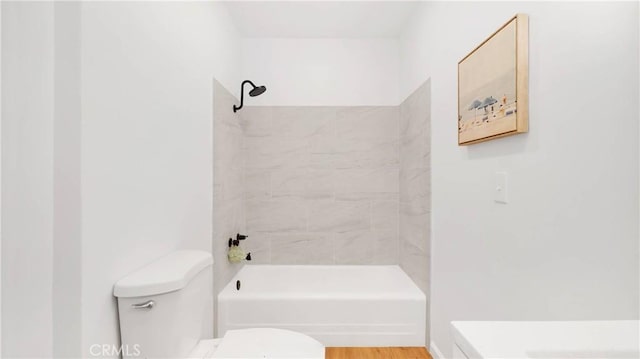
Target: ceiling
321, 19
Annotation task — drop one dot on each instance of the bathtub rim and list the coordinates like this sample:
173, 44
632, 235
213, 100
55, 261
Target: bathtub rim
229, 290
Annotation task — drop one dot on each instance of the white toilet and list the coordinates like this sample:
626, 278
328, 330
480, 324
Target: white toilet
166, 308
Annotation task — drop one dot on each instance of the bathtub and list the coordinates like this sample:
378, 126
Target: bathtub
340, 306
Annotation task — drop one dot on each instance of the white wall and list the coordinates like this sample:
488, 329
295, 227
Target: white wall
107, 157
27, 177
67, 211
566, 246
322, 72
0, 179
147, 78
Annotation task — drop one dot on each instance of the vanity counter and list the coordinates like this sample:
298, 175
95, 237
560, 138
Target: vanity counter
546, 339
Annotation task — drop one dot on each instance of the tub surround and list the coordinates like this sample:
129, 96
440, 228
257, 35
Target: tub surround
321, 184
329, 185
340, 185
415, 186
228, 211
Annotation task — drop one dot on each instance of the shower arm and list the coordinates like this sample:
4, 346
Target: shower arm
236, 108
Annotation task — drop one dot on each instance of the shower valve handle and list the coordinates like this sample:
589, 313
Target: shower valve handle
241, 237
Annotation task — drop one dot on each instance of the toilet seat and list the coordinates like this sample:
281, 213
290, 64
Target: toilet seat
204, 349
260, 343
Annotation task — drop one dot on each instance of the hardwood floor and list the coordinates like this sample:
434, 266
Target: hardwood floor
377, 353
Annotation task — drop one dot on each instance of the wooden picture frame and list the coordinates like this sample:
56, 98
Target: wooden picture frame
493, 85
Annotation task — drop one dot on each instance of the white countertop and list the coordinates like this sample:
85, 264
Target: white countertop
567, 339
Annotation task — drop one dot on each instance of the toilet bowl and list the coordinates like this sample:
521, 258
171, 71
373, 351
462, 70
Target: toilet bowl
165, 311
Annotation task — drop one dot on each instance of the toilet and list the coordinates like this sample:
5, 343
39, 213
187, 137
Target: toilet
165, 311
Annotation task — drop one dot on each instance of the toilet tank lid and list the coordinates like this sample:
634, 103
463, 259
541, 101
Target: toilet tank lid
167, 274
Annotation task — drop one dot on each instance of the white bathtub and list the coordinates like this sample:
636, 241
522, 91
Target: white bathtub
337, 305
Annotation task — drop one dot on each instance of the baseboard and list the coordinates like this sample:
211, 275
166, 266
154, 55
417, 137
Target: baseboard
434, 351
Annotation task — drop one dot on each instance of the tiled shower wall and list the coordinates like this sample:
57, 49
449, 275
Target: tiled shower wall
321, 184
228, 209
415, 187
324, 185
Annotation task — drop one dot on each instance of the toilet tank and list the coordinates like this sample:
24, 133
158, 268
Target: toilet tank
166, 307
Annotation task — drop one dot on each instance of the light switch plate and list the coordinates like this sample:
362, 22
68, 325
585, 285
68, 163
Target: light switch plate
500, 189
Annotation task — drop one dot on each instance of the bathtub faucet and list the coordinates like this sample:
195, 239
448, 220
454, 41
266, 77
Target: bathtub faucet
236, 254
236, 242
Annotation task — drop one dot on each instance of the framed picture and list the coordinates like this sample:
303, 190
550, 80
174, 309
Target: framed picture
493, 83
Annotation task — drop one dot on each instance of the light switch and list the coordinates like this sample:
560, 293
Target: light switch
500, 190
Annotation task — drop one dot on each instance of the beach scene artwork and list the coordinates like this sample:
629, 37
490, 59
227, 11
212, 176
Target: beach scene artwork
487, 99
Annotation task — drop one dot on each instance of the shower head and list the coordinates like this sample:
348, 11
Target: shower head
255, 91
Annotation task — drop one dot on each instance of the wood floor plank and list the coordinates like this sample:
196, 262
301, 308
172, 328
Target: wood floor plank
377, 353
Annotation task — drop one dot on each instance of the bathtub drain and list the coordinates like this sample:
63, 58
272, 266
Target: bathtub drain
238, 284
